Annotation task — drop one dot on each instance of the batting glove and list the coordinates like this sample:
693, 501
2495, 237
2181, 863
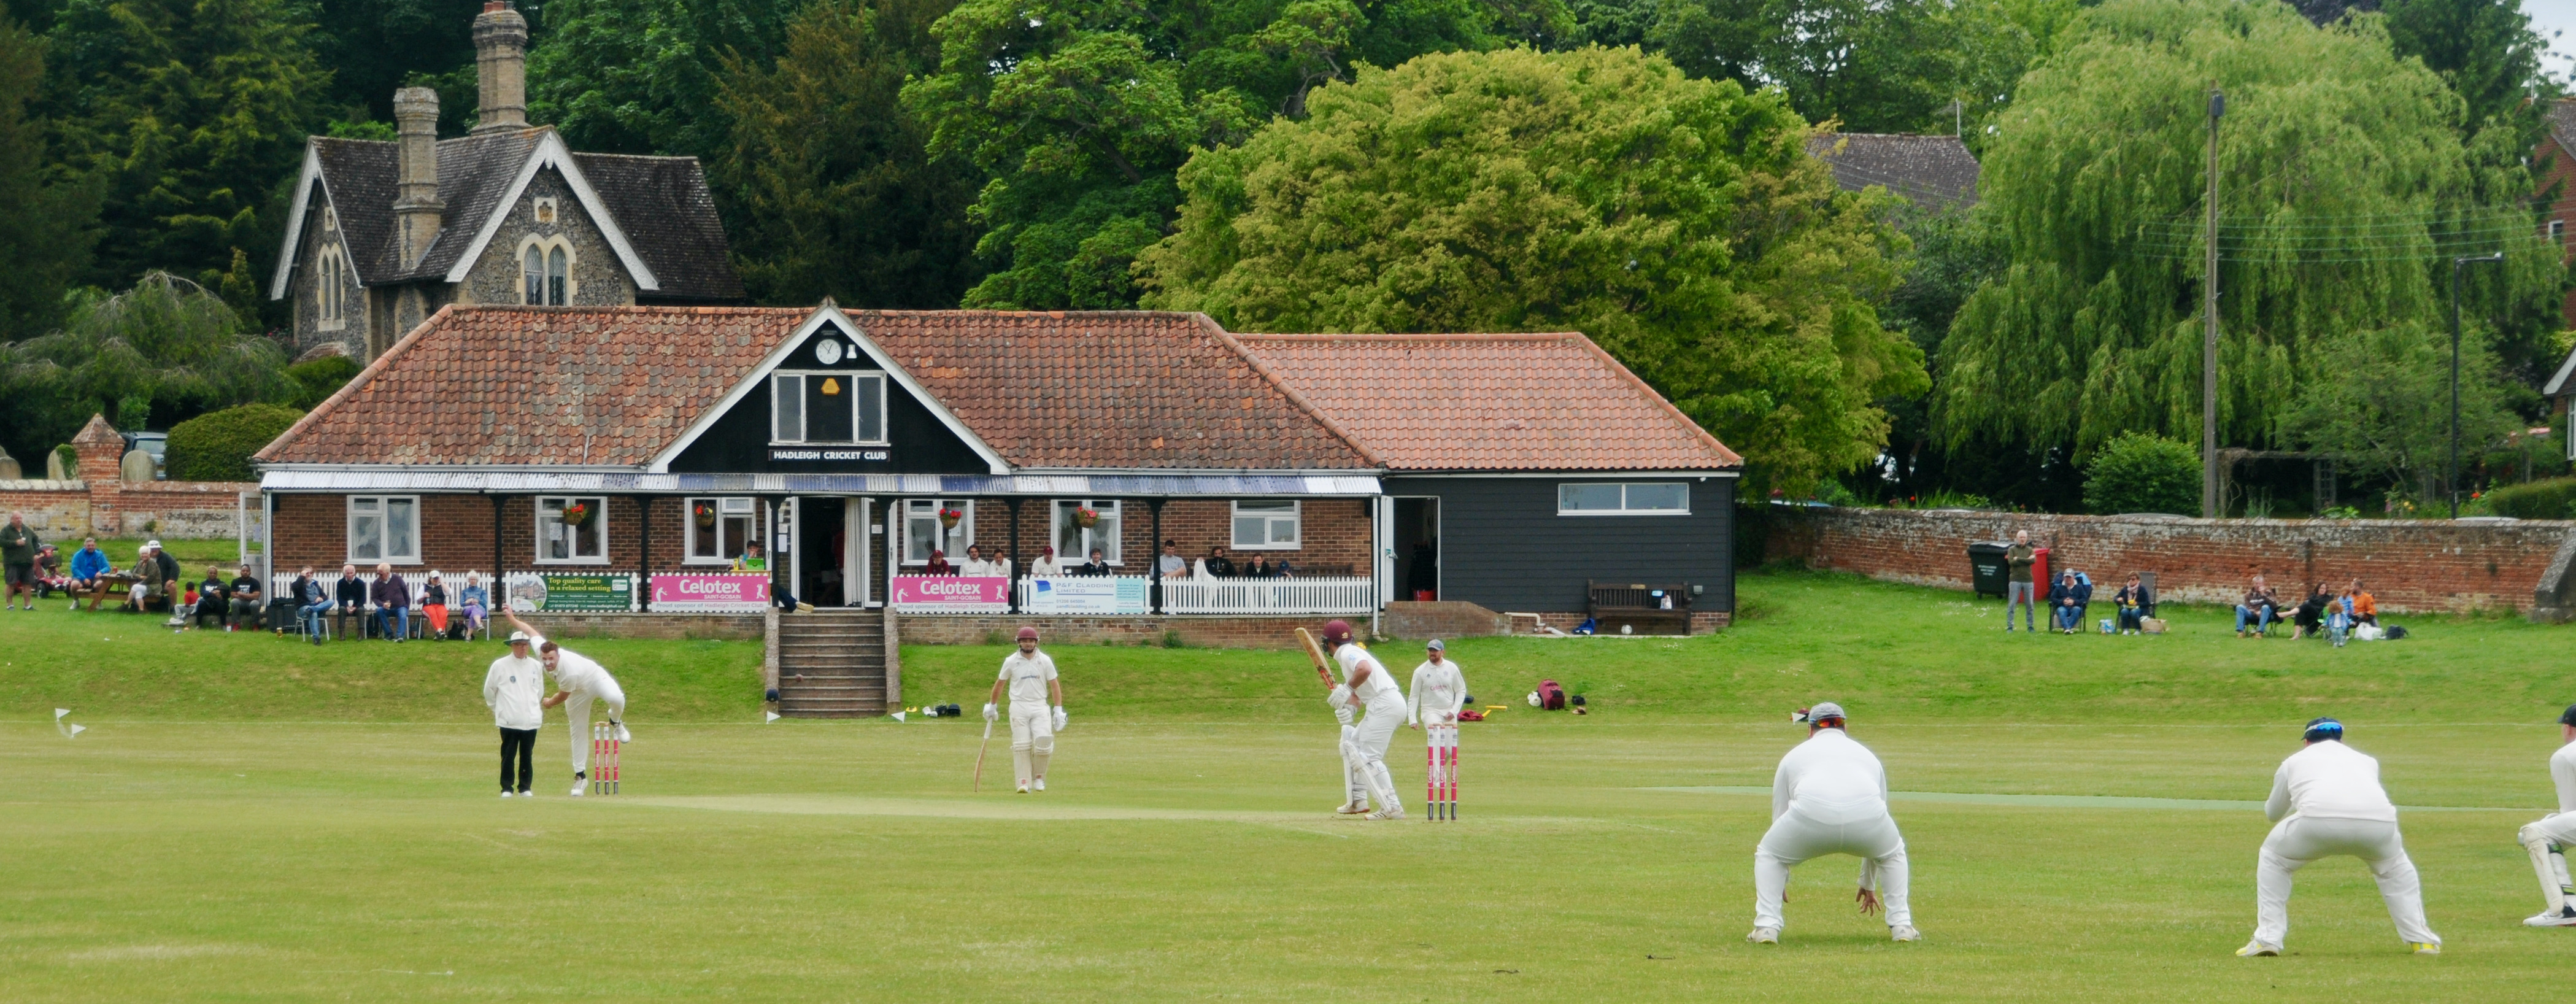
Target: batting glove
1059, 718
990, 713
1344, 715
1340, 697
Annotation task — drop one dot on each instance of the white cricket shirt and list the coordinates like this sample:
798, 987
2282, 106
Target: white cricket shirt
575, 673
2329, 780
2562, 769
516, 690
1439, 690
1831, 778
1028, 676
1380, 685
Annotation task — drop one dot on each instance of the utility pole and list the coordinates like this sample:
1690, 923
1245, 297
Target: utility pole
2209, 324
2452, 480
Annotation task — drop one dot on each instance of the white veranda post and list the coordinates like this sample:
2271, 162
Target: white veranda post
854, 552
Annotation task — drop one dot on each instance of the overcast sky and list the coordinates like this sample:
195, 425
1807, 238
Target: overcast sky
2556, 21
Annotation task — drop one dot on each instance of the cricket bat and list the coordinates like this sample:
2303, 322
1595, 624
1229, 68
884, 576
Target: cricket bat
1315, 652
979, 754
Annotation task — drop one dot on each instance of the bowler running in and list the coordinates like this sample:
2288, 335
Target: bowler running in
579, 683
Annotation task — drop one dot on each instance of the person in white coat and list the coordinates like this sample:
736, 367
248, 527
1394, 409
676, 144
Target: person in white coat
2327, 801
514, 688
1830, 797
1432, 703
2547, 839
580, 683
1366, 685
1029, 676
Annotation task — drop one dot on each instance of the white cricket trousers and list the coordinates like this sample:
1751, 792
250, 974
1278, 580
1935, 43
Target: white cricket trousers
2299, 840
1032, 739
1794, 838
2557, 829
577, 712
1364, 751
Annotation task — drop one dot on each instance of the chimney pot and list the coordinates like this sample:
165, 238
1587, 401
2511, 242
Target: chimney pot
416, 206
501, 68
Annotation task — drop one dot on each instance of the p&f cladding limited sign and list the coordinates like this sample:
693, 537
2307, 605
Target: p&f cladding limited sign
829, 453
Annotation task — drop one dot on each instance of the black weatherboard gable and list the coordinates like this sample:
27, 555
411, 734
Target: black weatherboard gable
917, 441
1503, 545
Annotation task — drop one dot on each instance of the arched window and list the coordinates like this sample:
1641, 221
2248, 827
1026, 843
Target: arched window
533, 278
556, 279
330, 299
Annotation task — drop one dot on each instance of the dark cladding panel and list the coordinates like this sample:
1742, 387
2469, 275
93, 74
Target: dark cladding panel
840, 389
1504, 546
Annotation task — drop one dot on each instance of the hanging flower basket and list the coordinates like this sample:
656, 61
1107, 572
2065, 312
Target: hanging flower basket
1088, 518
706, 515
576, 514
948, 518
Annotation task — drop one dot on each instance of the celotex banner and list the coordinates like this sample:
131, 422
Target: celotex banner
961, 591
711, 591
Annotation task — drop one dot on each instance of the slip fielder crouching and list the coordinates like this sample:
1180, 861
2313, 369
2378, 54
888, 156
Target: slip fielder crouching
1830, 797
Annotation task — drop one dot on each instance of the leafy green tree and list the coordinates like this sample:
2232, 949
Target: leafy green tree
317, 379
2345, 190
829, 181
164, 351
192, 114
1078, 113
45, 235
2138, 472
216, 446
2386, 411
2484, 49
642, 76
1874, 65
1676, 221
375, 46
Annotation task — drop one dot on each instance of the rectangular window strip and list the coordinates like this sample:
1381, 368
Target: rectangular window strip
1267, 525
718, 528
1074, 541
384, 529
1623, 499
572, 530
827, 408
922, 532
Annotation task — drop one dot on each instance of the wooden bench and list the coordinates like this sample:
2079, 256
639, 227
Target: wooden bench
1639, 606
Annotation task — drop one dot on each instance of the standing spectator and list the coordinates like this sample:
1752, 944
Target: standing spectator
2018, 588
2365, 609
250, 599
1171, 565
392, 599
474, 601
1096, 566
2134, 604
2338, 617
433, 605
2261, 606
18, 554
312, 600
1046, 567
212, 599
2067, 601
351, 592
1217, 565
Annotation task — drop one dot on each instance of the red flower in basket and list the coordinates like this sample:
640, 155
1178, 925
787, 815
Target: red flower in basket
948, 518
706, 515
576, 514
1087, 517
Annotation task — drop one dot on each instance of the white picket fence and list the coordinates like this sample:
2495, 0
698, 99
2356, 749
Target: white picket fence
1336, 595
282, 585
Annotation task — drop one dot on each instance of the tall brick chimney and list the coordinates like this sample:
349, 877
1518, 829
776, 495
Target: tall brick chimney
501, 65
416, 205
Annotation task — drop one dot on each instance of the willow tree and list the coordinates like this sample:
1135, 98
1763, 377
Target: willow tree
1678, 222
2345, 190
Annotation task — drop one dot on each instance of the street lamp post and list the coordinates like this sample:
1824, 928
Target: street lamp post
2452, 482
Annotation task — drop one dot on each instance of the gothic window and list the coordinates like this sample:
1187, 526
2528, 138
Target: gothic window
534, 278
545, 272
555, 277
330, 274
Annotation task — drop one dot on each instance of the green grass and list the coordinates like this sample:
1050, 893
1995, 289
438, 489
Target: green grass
227, 832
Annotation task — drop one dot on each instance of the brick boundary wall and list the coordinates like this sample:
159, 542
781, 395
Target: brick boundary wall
66, 511
668, 627
2411, 566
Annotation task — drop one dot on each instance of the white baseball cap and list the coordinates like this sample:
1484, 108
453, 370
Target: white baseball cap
153, 544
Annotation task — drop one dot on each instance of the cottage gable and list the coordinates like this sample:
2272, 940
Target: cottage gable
830, 401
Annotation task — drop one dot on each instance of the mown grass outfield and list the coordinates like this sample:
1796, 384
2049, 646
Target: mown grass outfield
249, 818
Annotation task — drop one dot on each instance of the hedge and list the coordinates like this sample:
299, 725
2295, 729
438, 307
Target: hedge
2537, 500
217, 446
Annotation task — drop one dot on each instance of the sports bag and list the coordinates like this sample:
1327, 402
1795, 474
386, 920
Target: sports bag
1551, 697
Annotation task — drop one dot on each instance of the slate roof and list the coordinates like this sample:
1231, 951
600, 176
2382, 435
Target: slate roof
1936, 172
661, 203
1489, 402
538, 385
2562, 123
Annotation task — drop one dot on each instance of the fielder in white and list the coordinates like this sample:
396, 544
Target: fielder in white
2547, 839
1438, 693
2327, 801
1029, 675
1366, 684
580, 683
1830, 797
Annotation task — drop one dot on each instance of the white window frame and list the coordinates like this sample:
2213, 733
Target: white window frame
954, 548
1623, 509
1060, 519
724, 505
1269, 521
2558, 231
383, 514
850, 379
538, 523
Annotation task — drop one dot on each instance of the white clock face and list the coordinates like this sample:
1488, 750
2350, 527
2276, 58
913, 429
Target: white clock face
829, 352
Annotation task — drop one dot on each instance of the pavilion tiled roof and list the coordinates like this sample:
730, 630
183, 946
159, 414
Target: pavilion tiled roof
1489, 402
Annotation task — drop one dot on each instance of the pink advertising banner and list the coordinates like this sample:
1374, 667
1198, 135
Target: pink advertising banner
723, 590
958, 592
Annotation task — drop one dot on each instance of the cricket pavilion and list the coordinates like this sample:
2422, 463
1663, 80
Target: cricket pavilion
607, 468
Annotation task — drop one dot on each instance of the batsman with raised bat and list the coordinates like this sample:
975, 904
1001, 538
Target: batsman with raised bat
1366, 685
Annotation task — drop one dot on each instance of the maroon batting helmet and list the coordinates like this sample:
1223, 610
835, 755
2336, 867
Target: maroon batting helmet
1028, 634
1337, 632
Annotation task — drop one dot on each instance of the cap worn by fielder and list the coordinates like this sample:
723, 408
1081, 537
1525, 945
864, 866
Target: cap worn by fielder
2321, 729
1337, 632
2570, 717
1436, 646
518, 637
1028, 634
1819, 713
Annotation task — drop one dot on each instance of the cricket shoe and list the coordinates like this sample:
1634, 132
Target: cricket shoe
2254, 948
2425, 947
1903, 932
1390, 812
1764, 936
505, 794
580, 782
1040, 784
2565, 917
1351, 809
624, 736
1024, 789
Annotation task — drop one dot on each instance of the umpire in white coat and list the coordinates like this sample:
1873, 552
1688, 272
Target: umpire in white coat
2327, 801
1830, 797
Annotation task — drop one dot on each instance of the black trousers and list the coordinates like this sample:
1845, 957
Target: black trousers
523, 744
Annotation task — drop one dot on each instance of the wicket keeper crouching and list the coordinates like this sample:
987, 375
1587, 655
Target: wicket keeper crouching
1029, 675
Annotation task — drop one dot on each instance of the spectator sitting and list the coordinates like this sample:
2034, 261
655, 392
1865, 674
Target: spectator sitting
1096, 566
150, 588
979, 565
2365, 609
169, 565
2308, 619
1218, 565
249, 599
211, 599
2066, 603
753, 560
1259, 568
392, 599
475, 602
1171, 564
938, 564
2135, 605
312, 600
88, 565
351, 592
433, 605
2261, 607
49, 572
18, 552
1046, 567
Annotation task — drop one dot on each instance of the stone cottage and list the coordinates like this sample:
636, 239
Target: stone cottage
382, 234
